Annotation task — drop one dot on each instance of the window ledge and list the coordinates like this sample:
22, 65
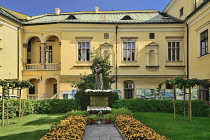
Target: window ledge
204, 55
129, 66
174, 66
82, 65
152, 66
174, 61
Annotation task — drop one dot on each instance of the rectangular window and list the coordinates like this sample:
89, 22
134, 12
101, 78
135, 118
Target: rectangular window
174, 51
48, 54
181, 12
204, 43
84, 51
129, 49
151, 35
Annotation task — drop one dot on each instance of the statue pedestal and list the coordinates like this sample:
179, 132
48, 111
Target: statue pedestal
98, 102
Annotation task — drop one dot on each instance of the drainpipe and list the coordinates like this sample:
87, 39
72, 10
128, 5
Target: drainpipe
116, 56
187, 50
195, 4
18, 52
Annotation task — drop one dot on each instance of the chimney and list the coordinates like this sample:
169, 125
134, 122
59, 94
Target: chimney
96, 9
57, 11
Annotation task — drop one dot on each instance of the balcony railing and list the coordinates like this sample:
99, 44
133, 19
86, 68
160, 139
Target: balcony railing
46, 66
51, 66
32, 96
32, 66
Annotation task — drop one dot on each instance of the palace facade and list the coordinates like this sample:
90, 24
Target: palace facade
145, 47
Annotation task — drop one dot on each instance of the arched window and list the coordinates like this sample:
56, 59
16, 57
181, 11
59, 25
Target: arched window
152, 55
107, 54
152, 58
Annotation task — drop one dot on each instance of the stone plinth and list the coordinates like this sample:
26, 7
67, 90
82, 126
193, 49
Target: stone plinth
98, 100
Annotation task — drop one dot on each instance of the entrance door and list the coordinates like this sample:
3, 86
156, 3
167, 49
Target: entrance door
54, 89
128, 93
128, 89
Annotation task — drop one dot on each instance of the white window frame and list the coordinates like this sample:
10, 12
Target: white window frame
128, 40
49, 53
83, 40
199, 40
180, 49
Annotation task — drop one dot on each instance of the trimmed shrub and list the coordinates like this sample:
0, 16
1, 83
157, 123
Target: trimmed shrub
112, 98
76, 113
39, 106
121, 111
82, 99
199, 108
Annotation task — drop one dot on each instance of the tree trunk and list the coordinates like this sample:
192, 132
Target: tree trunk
19, 115
190, 106
184, 103
2, 116
174, 102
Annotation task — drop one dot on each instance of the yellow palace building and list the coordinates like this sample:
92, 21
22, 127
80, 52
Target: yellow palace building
146, 47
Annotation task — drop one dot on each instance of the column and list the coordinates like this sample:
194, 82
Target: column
42, 52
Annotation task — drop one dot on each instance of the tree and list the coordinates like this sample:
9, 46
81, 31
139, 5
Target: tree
8, 84
184, 84
87, 81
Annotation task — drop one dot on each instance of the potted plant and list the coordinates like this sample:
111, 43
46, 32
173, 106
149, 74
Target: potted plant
92, 118
108, 118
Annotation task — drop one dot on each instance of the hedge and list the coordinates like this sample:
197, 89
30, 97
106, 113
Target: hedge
39, 106
199, 108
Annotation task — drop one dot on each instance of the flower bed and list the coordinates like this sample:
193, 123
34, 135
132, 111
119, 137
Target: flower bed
133, 129
71, 128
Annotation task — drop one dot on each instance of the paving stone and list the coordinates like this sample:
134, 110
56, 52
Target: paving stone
102, 132
116, 138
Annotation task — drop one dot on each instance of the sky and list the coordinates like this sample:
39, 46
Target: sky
39, 7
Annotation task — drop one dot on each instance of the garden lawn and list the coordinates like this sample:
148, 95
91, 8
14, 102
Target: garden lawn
32, 127
164, 124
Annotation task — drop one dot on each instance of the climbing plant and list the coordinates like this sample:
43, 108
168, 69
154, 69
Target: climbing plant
8, 84
184, 84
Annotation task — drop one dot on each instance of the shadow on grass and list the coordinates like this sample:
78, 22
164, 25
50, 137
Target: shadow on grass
45, 120
33, 135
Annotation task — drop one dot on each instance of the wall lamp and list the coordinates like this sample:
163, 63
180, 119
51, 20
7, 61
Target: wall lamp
39, 79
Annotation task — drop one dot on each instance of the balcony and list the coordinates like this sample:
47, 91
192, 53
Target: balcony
42, 66
32, 96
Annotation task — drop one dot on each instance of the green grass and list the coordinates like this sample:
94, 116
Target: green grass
32, 127
164, 124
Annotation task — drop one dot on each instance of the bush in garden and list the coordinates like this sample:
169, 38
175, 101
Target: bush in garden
199, 108
76, 113
112, 98
121, 111
82, 99
40, 106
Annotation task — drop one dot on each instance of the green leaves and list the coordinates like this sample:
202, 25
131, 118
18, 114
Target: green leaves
181, 83
87, 81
